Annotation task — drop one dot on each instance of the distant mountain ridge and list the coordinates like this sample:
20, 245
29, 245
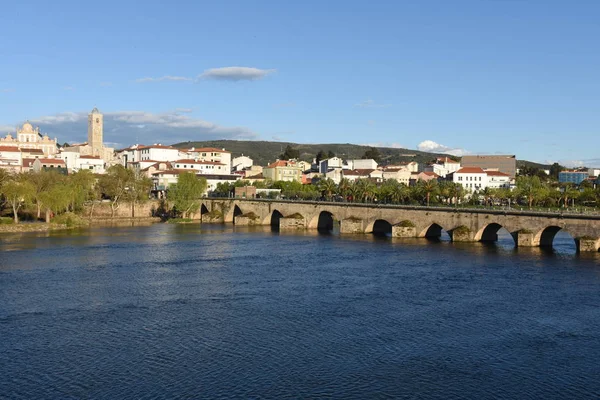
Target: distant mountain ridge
265, 152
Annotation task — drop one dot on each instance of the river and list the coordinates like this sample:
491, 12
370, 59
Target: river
184, 311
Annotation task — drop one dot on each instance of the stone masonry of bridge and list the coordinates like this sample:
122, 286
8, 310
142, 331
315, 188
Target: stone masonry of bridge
527, 228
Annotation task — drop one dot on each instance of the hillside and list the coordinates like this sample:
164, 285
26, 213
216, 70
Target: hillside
264, 152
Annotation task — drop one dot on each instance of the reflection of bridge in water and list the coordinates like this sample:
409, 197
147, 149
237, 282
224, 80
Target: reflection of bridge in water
462, 225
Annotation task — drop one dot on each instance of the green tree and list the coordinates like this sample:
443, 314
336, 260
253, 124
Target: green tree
290, 153
372, 153
186, 194
17, 192
530, 187
55, 200
115, 184
328, 188
555, 169
138, 191
41, 182
320, 156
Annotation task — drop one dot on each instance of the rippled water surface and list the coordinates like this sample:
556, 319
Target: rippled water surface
168, 311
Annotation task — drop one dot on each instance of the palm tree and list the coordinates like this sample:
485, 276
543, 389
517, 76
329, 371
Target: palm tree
429, 187
329, 187
344, 187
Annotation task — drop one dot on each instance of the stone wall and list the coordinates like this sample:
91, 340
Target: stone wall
103, 210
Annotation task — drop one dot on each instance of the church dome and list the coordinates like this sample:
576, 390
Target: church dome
27, 128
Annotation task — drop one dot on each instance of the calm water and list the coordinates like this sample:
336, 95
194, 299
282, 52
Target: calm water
169, 311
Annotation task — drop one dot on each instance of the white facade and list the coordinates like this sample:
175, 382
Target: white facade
212, 154
362, 164
594, 172
401, 175
333, 162
158, 152
335, 175
476, 179
11, 158
202, 167
241, 163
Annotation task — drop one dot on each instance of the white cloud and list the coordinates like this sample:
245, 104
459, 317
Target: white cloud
432, 147
128, 127
6, 129
385, 144
235, 73
590, 162
369, 103
165, 78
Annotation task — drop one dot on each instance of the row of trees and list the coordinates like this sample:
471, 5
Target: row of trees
529, 192
49, 192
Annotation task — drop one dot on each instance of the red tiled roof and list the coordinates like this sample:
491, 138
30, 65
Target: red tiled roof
9, 148
90, 157
358, 172
32, 151
470, 170
495, 173
430, 173
281, 163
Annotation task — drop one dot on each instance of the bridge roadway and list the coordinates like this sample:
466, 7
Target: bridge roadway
528, 228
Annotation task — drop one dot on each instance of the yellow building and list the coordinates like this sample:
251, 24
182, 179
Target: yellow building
282, 170
30, 138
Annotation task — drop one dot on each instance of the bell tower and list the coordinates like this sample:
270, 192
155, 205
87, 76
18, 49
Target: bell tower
95, 140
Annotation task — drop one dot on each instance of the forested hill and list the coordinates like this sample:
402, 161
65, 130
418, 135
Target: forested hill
263, 152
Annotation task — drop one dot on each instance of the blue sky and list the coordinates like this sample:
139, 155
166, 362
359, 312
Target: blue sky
464, 76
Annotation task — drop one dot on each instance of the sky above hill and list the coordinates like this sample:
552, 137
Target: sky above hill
464, 76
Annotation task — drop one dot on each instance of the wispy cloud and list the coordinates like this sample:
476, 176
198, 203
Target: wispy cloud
106, 84
589, 162
385, 144
7, 90
128, 127
369, 103
432, 147
235, 73
6, 128
164, 78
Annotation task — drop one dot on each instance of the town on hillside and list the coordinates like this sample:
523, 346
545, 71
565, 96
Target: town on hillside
478, 179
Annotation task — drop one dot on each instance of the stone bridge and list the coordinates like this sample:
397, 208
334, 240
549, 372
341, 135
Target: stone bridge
528, 228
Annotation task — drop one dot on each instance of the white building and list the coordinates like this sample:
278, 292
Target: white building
476, 179
443, 166
401, 175
594, 172
11, 158
202, 167
241, 163
330, 163
211, 154
158, 152
362, 164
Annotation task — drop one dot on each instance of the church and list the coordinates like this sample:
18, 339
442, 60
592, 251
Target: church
94, 147
30, 138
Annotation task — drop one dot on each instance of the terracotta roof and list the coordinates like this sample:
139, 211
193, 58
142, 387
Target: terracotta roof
430, 173
32, 151
470, 170
281, 163
358, 172
90, 157
172, 172
9, 148
496, 173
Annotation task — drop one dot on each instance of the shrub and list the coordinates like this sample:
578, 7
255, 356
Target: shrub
69, 219
6, 220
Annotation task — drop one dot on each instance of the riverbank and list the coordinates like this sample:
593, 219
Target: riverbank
46, 227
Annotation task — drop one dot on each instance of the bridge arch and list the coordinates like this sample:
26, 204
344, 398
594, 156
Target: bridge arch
273, 219
322, 220
325, 221
546, 236
379, 227
489, 233
432, 231
237, 211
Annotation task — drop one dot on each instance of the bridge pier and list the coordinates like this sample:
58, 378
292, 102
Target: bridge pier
352, 225
292, 224
404, 231
525, 238
587, 244
462, 234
